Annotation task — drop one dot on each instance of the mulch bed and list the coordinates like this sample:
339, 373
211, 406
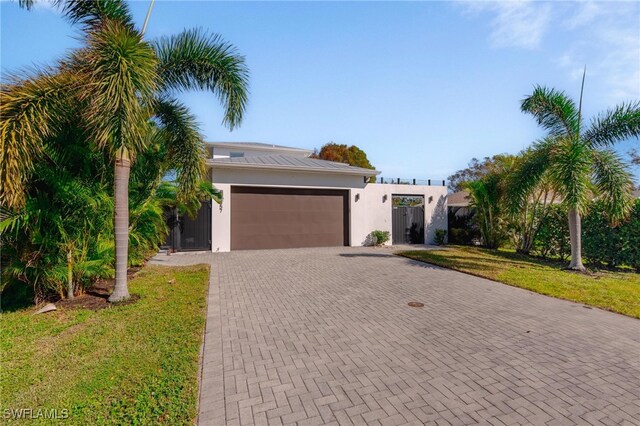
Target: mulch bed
95, 297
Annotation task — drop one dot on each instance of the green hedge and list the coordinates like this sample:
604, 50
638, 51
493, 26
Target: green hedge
602, 243
553, 239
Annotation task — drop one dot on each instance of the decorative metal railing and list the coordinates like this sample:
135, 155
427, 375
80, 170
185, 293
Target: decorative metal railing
401, 181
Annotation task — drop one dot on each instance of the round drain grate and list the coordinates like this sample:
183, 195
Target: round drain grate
416, 304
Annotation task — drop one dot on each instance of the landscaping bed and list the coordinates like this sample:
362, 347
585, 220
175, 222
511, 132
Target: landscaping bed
616, 291
125, 364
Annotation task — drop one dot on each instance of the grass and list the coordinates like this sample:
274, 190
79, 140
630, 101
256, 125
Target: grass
614, 291
128, 364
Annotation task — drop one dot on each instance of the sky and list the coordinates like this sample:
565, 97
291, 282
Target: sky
421, 87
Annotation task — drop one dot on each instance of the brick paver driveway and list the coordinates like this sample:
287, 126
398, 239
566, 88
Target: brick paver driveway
319, 336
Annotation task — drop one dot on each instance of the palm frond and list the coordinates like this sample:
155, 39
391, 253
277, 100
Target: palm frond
120, 70
185, 147
527, 174
486, 196
614, 182
92, 13
13, 222
194, 60
553, 110
206, 192
29, 110
27, 4
615, 125
570, 172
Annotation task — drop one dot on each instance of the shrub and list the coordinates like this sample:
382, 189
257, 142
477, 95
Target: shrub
380, 237
602, 243
440, 237
552, 239
463, 228
618, 245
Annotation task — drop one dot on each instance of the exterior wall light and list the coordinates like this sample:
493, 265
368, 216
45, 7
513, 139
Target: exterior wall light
430, 198
384, 198
357, 197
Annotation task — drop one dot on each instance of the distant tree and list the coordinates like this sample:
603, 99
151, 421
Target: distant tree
351, 155
477, 169
635, 157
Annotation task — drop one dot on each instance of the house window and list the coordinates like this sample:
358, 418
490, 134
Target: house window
236, 154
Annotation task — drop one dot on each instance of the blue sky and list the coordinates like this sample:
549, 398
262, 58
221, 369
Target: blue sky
422, 87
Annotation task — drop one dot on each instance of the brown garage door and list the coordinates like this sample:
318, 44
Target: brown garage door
263, 218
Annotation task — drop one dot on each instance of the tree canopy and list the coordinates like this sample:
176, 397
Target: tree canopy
116, 95
476, 170
351, 155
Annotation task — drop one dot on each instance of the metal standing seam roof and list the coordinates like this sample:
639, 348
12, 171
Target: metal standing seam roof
290, 162
259, 145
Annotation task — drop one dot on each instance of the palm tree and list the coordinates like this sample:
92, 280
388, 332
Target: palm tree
576, 160
486, 196
125, 88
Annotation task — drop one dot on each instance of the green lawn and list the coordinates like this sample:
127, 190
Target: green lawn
128, 364
614, 291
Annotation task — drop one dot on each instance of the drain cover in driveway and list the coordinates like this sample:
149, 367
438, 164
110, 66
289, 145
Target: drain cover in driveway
416, 304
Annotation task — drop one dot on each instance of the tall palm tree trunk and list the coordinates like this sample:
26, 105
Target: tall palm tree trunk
69, 275
575, 234
121, 198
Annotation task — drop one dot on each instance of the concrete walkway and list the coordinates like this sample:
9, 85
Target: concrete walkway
325, 336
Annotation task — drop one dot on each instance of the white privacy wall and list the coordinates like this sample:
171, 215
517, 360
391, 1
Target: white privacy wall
368, 213
221, 221
373, 211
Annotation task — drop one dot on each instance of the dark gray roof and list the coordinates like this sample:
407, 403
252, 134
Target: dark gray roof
458, 199
255, 145
280, 161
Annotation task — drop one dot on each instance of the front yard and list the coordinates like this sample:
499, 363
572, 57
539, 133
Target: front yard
614, 291
128, 364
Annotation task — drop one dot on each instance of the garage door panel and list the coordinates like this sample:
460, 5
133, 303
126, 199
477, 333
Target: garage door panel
285, 218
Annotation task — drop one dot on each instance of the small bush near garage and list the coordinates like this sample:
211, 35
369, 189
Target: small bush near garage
440, 237
380, 237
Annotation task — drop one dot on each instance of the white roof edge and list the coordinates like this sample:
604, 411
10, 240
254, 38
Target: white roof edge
347, 170
258, 146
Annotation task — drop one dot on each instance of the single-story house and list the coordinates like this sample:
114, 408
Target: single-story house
278, 197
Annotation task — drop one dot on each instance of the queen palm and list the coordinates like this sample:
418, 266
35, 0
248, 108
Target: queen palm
576, 161
120, 90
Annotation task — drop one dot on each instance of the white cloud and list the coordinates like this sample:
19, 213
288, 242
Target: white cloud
609, 44
621, 63
587, 13
520, 24
605, 36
